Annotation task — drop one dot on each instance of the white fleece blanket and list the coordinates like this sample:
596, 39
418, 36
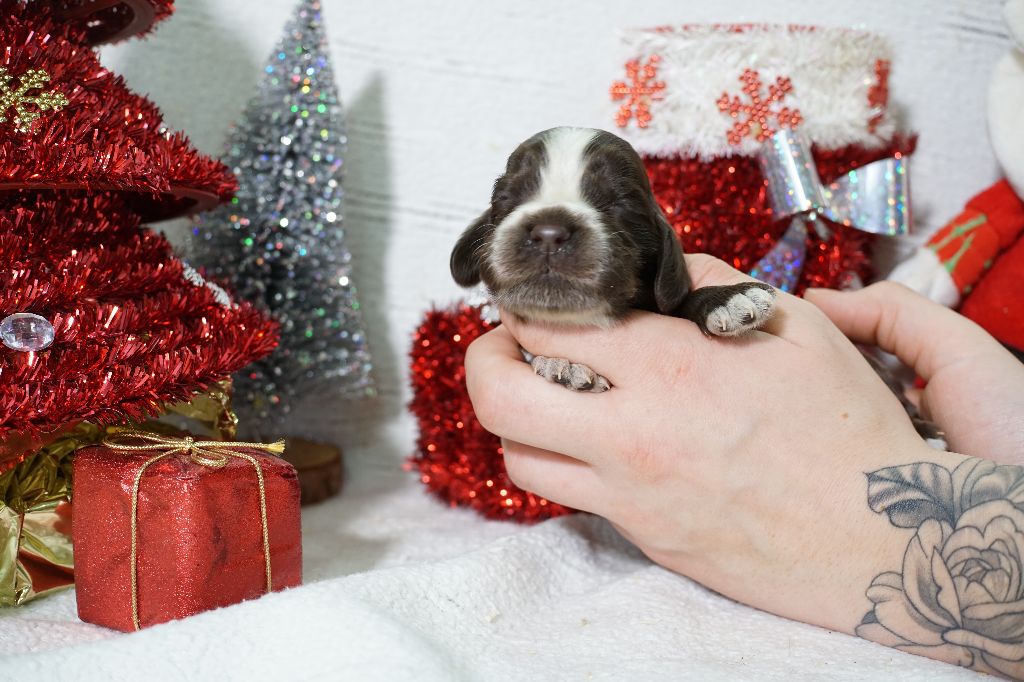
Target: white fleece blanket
399, 587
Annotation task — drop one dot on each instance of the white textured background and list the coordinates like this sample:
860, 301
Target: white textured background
438, 93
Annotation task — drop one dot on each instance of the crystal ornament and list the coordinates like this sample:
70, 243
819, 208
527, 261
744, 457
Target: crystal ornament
26, 332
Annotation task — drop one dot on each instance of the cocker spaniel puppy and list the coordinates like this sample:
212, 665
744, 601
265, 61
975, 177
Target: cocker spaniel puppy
573, 236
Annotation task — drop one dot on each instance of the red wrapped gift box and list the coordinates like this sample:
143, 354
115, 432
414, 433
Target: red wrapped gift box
198, 528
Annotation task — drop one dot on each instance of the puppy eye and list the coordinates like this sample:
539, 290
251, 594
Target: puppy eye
605, 201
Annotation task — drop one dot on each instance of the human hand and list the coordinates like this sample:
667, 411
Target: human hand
738, 462
974, 385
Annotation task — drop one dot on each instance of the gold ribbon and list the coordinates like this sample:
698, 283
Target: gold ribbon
210, 453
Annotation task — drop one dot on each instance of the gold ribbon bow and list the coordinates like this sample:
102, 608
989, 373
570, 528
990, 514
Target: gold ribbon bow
209, 453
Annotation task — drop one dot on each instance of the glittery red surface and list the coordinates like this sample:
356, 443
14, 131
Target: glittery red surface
878, 94
995, 302
721, 207
130, 332
458, 460
199, 535
109, 21
106, 137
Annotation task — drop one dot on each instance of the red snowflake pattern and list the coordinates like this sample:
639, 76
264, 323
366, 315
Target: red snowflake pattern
758, 113
878, 94
638, 92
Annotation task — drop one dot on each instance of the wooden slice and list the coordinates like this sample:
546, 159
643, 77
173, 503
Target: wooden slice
319, 466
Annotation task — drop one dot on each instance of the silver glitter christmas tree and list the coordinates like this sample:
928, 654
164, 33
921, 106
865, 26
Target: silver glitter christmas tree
281, 240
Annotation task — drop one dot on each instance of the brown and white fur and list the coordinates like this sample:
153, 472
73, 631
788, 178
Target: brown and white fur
573, 236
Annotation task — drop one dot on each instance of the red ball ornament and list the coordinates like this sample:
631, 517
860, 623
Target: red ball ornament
459, 460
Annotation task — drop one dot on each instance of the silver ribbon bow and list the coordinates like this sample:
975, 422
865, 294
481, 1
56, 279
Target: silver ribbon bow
873, 198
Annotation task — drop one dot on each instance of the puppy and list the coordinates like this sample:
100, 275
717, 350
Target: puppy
573, 236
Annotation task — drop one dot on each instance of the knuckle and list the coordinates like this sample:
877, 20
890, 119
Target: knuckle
887, 290
514, 461
485, 408
643, 460
707, 270
475, 353
813, 313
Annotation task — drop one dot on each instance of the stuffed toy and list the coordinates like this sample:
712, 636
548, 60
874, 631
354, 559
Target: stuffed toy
976, 260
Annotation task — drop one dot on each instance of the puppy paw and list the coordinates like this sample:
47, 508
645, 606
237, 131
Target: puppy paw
572, 375
730, 310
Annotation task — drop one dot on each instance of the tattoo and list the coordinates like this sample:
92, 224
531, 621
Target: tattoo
960, 594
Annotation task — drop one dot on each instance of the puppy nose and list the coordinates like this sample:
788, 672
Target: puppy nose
549, 237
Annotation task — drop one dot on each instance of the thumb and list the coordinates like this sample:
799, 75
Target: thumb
707, 271
921, 333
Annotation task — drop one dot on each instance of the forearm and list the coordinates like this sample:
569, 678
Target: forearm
929, 559
957, 595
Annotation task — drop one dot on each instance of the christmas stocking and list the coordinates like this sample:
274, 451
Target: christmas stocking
701, 102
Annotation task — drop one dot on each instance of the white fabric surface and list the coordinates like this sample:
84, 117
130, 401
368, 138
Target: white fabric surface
399, 586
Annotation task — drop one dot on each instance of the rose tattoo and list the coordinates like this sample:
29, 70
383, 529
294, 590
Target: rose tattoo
960, 595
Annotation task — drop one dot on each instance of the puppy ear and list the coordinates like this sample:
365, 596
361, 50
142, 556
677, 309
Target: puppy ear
671, 280
469, 251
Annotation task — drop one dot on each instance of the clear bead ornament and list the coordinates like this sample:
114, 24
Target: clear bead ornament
26, 332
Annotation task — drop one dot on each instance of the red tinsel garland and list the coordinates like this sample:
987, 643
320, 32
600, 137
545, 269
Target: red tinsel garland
457, 458
131, 333
105, 137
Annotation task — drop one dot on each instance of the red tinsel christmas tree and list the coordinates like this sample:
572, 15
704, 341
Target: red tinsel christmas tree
130, 331
125, 326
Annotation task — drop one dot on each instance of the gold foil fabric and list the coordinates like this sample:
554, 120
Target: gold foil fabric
36, 555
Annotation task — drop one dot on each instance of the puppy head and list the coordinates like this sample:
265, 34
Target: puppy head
573, 234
